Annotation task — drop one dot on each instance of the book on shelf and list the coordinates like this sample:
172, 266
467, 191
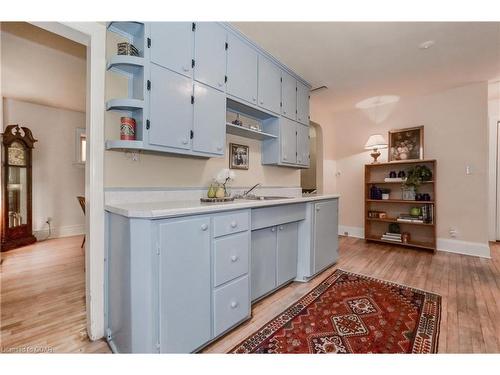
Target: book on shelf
396, 237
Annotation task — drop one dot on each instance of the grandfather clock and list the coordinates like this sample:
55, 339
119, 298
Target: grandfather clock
16, 180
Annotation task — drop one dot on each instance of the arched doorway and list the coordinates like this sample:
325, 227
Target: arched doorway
311, 179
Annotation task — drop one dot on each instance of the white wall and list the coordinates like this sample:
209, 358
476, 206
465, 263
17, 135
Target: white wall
493, 161
456, 134
56, 179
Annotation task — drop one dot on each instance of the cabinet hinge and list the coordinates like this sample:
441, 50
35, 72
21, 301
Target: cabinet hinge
227, 45
296, 133
157, 250
193, 63
193, 27
148, 124
191, 134
296, 89
281, 79
225, 79
296, 111
148, 85
192, 99
149, 42
281, 104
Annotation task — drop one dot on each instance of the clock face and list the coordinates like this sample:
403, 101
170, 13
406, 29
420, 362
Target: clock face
16, 154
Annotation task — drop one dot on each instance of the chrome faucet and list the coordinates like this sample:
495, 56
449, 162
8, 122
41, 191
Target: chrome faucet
249, 190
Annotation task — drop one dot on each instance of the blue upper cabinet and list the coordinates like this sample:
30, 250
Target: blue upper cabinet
302, 145
209, 124
171, 109
288, 139
302, 103
210, 54
288, 96
269, 85
241, 69
172, 46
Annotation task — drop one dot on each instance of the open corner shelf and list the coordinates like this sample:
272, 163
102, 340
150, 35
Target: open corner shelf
124, 104
248, 133
128, 29
422, 235
124, 145
126, 64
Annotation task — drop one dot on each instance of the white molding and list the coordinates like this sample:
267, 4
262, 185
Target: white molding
357, 232
58, 232
92, 35
477, 249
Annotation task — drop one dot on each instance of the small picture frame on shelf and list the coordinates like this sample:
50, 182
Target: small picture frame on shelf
238, 156
406, 144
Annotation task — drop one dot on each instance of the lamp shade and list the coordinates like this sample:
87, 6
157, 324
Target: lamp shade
375, 141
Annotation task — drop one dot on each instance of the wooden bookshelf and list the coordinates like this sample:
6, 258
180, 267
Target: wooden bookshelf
422, 235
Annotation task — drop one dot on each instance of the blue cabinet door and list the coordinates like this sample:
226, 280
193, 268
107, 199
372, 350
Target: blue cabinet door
269, 95
325, 234
288, 141
171, 110
172, 46
210, 54
287, 251
288, 96
209, 126
241, 70
185, 290
302, 103
302, 144
263, 255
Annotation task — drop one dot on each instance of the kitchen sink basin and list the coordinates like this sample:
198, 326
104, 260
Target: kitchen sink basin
263, 197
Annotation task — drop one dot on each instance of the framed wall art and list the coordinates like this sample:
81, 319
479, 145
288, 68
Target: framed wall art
406, 144
238, 156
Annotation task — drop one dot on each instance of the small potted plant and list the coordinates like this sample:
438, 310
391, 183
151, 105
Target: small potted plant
385, 193
414, 178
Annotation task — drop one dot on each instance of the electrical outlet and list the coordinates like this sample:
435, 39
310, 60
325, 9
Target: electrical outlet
346, 233
453, 233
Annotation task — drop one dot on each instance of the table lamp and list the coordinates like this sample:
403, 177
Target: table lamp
375, 142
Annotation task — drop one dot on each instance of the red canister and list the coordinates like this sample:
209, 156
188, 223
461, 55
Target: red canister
127, 129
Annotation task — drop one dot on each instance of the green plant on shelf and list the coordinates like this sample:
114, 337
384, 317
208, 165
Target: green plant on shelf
416, 175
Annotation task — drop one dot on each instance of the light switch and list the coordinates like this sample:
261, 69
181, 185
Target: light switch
468, 170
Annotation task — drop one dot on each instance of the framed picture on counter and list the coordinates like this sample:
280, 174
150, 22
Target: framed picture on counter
406, 144
238, 156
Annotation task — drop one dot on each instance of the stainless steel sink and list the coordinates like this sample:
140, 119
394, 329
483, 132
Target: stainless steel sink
263, 197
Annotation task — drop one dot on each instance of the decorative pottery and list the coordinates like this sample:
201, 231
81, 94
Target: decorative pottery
127, 129
415, 211
220, 193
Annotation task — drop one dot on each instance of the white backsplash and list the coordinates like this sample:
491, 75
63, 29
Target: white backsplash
117, 196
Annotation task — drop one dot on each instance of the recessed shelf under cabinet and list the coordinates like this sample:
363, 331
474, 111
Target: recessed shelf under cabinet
248, 133
124, 145
128, 29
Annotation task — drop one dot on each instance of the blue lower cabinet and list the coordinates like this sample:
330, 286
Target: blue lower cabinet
230, 257
263, 255
185, 289
231, 304
286, 253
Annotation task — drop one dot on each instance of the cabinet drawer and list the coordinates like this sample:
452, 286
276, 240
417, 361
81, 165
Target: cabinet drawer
269, 216
230, 257
231, 305
231, 223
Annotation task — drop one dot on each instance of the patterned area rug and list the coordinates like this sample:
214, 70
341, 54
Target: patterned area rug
351, 313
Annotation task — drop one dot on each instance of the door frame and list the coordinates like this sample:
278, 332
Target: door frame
497, 216
93, 36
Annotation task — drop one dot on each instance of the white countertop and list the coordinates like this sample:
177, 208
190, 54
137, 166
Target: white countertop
166, 209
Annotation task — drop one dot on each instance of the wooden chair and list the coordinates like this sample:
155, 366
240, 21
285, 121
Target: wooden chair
81, 200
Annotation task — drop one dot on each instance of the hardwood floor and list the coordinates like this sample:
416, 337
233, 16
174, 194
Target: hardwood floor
470, 287
42, 299
43, 295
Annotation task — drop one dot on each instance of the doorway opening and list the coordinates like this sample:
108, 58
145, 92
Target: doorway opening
44, 88
311, 180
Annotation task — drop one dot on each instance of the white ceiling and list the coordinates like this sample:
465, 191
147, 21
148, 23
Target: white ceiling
359, 60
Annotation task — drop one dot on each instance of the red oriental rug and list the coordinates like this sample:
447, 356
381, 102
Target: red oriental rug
351, 313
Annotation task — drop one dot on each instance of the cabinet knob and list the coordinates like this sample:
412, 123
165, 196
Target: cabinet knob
204, 227
234, 305
317, 208
281, 227
219, 148
261, 102
185, 68
234, 258
184, 141
220, 84
254, 99
234, 224
273, 229
284, 112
